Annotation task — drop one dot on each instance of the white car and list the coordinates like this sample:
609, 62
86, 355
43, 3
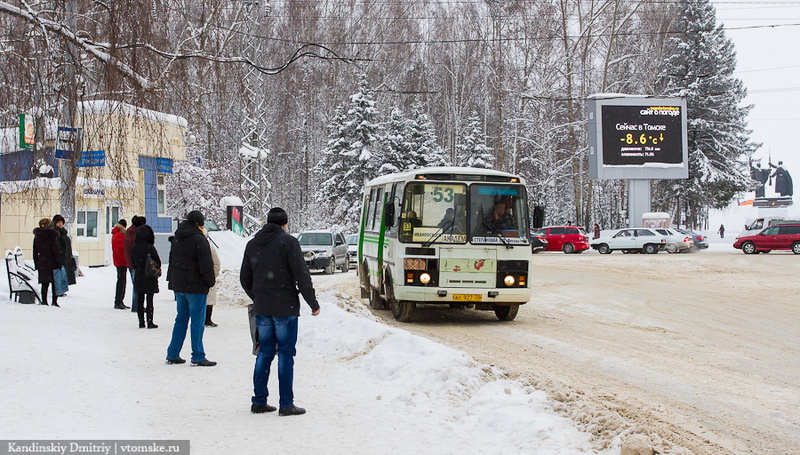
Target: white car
352, 248
631, 240
676, 242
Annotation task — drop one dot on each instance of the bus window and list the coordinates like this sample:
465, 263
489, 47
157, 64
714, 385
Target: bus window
434, 211
394, 198
497, 210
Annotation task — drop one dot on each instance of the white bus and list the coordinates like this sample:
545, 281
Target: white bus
445, 235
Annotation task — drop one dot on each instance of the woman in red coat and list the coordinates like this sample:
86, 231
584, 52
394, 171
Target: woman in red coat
118, 250
46, 256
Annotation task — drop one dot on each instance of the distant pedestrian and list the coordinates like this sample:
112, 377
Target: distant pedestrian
721, 231
145, 283
130, 239
212, 292
65, 249
118, 254
273, 273
46, 257
191, 274
596, 231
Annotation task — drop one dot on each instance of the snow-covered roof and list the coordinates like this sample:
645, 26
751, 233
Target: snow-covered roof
117, 107
439, 170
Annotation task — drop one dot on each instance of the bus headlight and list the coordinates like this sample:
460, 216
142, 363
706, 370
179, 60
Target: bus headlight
425, 278
509, 280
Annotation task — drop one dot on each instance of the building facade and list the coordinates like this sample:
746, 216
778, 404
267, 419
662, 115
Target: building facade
125, 160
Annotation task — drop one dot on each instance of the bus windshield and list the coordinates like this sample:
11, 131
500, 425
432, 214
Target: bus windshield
434, 212
498, 211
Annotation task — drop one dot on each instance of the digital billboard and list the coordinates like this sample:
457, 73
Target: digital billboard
637, 137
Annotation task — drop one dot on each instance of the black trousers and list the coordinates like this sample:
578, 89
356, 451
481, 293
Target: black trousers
122, 280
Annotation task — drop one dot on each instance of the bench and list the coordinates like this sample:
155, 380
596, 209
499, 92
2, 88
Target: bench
21, 278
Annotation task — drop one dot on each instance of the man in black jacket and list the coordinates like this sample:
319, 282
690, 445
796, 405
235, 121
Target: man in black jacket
273, 270
191, 274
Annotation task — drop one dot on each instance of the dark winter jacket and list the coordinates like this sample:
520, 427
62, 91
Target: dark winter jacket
46, 255
118, 245
130, 239
145, 241
191, 269
274, 271
65, 249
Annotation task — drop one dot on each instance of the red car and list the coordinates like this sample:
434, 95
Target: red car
569, 239
777, 237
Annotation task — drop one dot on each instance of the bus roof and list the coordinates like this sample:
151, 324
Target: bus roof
440, 170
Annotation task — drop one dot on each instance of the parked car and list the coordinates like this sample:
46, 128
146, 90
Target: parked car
352, 248
569, 239
538, 242
780, 237
631, 240
325, 250
700, 240
676, 242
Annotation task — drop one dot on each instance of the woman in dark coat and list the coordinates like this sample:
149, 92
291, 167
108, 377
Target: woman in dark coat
65, 247
46, 256
145, 286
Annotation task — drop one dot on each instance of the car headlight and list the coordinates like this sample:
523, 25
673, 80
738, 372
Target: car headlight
309, 255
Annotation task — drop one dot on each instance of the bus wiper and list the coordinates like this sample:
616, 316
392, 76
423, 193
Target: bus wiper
439, 233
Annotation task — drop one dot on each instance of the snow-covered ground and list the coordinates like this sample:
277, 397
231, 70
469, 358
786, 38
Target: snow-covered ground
86, 371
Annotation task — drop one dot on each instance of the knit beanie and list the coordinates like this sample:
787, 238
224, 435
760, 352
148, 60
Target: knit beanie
277, 215
196, 217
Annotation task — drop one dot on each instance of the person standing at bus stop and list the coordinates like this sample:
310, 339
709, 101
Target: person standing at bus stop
273, 273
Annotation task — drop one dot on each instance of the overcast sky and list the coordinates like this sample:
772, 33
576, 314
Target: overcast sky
767, 39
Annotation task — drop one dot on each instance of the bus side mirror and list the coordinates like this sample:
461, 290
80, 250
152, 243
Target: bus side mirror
389, 210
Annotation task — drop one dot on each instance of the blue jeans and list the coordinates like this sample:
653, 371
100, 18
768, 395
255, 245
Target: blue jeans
134, 295
190, 306
276, 334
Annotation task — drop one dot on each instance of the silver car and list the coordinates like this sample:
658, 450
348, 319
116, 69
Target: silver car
324, 250
352, 248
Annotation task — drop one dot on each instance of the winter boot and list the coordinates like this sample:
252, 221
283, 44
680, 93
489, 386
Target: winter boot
55, 301
141, 319
150, 324
209, 322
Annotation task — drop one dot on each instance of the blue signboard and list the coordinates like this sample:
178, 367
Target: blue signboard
164, 165
92, 159
68, 139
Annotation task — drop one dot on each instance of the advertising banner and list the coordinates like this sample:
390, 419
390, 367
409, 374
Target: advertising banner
234, 217
27, 131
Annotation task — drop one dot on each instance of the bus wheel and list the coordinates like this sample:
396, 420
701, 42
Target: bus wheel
402, 310
506, 312
375, 300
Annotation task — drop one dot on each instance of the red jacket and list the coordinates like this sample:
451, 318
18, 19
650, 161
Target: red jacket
118, 245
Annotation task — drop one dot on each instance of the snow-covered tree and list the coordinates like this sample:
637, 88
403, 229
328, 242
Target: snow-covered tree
425, 149
701, 70
472, 150
396, 156
349, 160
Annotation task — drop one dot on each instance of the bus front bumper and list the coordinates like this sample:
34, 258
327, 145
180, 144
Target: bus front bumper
462, 295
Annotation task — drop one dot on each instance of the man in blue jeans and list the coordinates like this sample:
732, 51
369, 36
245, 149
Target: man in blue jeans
191, 275
272, 273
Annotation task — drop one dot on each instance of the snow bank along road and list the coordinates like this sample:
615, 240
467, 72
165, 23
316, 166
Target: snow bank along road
700, 352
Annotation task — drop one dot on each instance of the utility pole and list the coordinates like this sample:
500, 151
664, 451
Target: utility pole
67, 170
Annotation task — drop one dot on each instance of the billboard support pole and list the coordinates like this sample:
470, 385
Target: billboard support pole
638, 201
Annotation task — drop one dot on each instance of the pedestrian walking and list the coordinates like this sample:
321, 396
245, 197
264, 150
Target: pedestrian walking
118, 255
212, 293
191, 274
273, 273
721, 231
145, 281
46, 257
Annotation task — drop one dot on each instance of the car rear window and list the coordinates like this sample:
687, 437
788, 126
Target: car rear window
573, 231
645, 232
788, 230
557, 231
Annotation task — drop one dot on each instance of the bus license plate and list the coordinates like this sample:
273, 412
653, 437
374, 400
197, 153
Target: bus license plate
467, 298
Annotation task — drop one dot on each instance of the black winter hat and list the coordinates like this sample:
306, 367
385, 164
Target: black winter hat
196, 217
277, 215
58, 218
138, 221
